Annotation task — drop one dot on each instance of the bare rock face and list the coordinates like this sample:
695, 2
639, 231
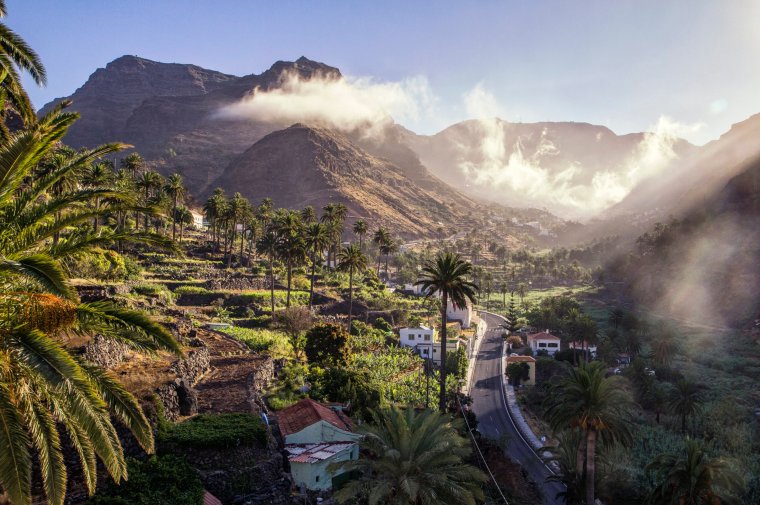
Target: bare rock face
310, 165
187, 397
105, 352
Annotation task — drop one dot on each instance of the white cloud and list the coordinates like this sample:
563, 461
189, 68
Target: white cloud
344, 103
502, 166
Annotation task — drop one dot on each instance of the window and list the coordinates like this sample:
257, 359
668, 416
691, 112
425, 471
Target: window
411, 336
424, 351
427, 338
552, 344
542, 344
317, 478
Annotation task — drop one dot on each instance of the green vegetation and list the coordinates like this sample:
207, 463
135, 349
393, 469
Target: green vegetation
447, 275
159, 479
215, 431
261, 339
412, 458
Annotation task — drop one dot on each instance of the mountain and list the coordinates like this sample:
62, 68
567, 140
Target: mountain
170, 113
309, 165
551, 164
701, 267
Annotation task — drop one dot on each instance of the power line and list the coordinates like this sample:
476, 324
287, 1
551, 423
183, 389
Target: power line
469, 430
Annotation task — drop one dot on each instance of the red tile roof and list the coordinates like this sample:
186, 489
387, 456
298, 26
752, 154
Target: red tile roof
209, 499
307, 412
543, 336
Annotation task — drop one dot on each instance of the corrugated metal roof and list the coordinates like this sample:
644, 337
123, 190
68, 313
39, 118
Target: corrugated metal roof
313, 453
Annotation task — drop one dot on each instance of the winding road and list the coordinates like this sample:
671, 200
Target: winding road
494, 421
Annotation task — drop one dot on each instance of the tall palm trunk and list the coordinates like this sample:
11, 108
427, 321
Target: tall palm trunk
313, 276
379, 259
174, 218
590, 465
444, 303
231, 245
181, 229
387, 279
242, 239
290, 274
271, 280
350, 296
580, 458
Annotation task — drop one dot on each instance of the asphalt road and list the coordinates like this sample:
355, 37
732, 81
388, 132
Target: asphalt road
494, 422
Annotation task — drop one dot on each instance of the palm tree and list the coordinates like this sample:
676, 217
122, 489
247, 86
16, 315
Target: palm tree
390, 247
236, 213
333, 216
381, 238
414, 458
693, 478
267, 244
148, 182
183, 216
351, 259
686, 400
522, 290
176, 190
214, 210
15, 55
43, 388
447, 274
291, 247
316, 239
133, 163
360, 229
308, 215
597, 405
99, 175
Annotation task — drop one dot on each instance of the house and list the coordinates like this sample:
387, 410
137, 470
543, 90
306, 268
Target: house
426, 343
461, 314
410, 337
591, 348
544, 341
531, 361
315, 437
199, 221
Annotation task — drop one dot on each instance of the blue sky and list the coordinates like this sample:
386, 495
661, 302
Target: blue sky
619, 63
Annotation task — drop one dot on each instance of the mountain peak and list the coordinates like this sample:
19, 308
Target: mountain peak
305, 67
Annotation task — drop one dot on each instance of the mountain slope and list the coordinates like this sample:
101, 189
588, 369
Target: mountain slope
550, 164
170, 112
308, 165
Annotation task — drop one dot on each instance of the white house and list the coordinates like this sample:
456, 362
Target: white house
591, 348
432, 350
411, 337
315, 437
544, 341
461, 314
198, 220
426, 343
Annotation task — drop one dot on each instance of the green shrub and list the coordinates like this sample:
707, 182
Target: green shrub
191, 290
261, 339
102, 264
159, 291
216, 431
160, 479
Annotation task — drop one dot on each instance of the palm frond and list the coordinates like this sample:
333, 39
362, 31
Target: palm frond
15, 461
43, 270
118, 319
123, 404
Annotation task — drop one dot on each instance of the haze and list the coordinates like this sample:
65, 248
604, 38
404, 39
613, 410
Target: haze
620, 64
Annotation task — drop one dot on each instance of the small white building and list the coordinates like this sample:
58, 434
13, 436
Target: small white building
315, 437
199, 220
412, 337
544, 341
588, 346
432, 350
461, 314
